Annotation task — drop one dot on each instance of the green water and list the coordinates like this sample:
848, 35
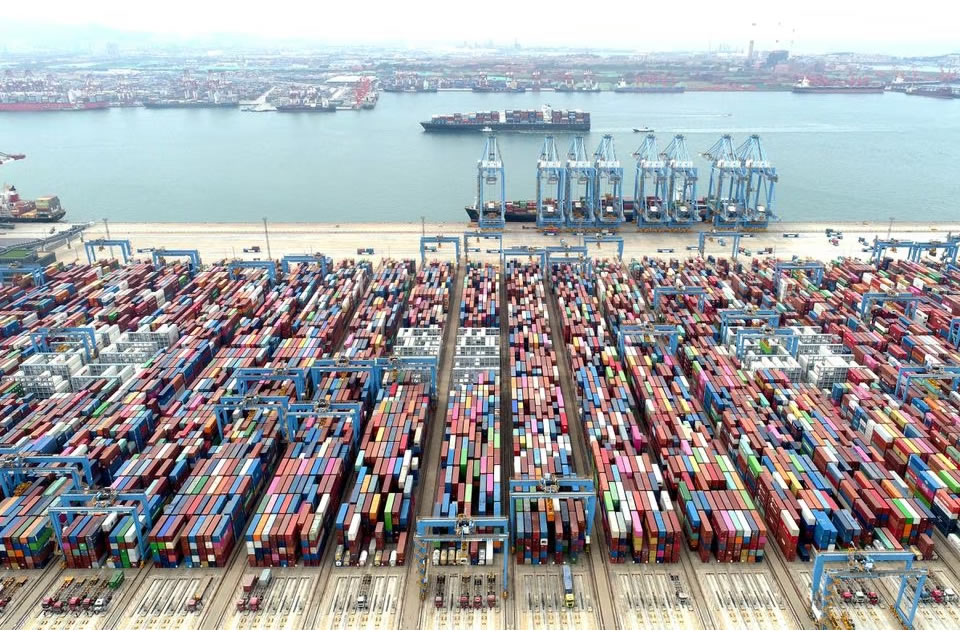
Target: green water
840, 158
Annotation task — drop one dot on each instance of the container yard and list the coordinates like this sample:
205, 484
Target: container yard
526, 438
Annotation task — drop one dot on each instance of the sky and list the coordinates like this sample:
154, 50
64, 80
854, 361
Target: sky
803, 26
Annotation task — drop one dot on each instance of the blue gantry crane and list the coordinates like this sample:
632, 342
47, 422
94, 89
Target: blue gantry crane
91, 247
44, 339
460, 530
729, 316
608, 186
34, 270
736, 236
601, 239
940, 373
104, 502
579, 183
724, 196
572, 254
814, 268
326, 263
491, 177
192, 256
647, 331
551, 487
650, 186
482, 236
870, 299
16, 466
915, 249
434, 244
759, 181
681, 290
291, 414
376, 368
525, 251
245, 376
550, 184
681, 190
864, 566
234, 268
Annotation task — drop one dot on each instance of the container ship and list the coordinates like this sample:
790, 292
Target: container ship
544, 119
10, 103
13, 209
942, 91
188, 103
624, 88
804, 87
307, 107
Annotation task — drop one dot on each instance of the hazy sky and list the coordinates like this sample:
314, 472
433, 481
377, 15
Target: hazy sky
904, 28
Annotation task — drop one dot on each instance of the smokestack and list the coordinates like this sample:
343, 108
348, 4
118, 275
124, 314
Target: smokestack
750, 52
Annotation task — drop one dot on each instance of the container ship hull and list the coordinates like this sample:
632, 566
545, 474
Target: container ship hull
649, 90
307, 109
53, 106
838, 90
189, 105
514, 127
530, 217
33, 217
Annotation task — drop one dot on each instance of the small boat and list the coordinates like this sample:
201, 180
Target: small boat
642, 130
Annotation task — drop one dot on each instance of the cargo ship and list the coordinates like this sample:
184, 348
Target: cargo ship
624, 88
526, 211
186, 103
804, 87
544, 119
8, 104
13, 209
306, 107
582, 89
942, 91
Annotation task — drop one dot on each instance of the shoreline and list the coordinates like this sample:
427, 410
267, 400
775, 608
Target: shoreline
219, 241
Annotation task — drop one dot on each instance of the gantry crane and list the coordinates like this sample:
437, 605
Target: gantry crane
491, 176
759, 179
549, 185
681, 194
859, 566
579, 183
724, 196
608, 186
650, 186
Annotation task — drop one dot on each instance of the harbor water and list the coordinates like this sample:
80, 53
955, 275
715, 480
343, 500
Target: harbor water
840, 157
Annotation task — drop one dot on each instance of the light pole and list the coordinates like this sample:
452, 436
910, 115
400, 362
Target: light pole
106, 229
266, 233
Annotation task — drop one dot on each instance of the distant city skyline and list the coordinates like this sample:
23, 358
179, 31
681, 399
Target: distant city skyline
820, 26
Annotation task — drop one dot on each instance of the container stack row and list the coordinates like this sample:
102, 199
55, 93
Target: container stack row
545, 529
470, 476
295, 514
639, 522
374, 518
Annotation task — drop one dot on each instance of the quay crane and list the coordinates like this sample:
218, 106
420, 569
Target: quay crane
491, 175
579, 183
724, 197
608, 188
759, 179
549, 185
650, 186
681, 189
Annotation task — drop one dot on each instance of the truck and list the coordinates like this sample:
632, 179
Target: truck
568, 599
441, 591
